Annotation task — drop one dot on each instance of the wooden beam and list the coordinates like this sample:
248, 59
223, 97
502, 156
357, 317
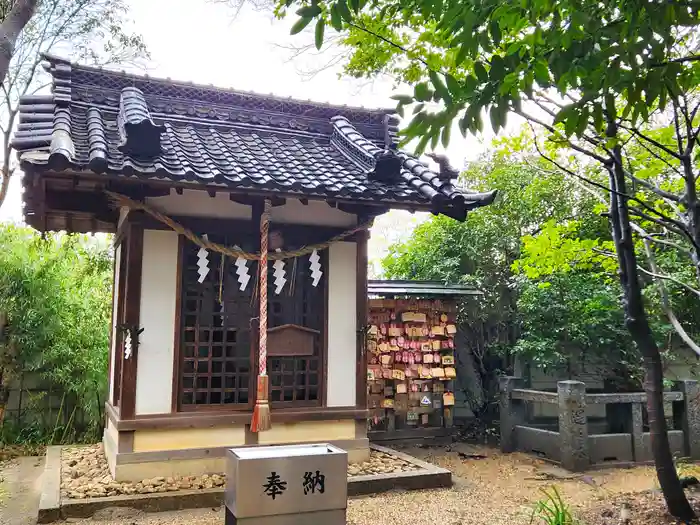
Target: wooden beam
359, 209
278, 201
312, 233
132, 307
243, 199
211, 418
96, 204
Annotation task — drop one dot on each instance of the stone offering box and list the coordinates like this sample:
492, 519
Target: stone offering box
291, 484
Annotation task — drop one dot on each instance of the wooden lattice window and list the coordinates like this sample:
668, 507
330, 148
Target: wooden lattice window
216, 354
297, 380
218, 349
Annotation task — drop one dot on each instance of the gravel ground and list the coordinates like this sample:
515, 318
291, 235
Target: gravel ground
84, 474
495, 490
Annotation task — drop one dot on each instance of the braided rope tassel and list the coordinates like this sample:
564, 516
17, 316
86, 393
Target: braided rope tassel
261, 412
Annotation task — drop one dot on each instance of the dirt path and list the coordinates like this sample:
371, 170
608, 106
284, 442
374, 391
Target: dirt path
20, 486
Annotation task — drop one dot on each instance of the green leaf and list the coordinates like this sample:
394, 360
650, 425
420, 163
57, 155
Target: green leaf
563, 114
345, 13
355, 5
541, 72
309, 11
462, 54
480, 72
402, 99
453, 84
422, 92
446, 136
300, 25
495, 118
336, 18
434, 137
571, 123
582, 123
464, 124
418, 108
320, 27
439, 85
497, 71
495, 31
598, 116
422, 144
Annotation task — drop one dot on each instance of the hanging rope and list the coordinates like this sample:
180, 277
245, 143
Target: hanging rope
261, 412
123, 200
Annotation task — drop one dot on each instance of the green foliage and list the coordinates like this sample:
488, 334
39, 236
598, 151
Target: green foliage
552, 510
543, 257
477, 57
486, 248
573, 317
56, 294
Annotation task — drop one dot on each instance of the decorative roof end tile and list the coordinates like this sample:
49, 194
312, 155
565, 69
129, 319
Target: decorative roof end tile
387, 167
140, 136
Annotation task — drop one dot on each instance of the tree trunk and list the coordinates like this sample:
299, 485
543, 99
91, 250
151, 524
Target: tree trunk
693, 207
10, 29
638, 325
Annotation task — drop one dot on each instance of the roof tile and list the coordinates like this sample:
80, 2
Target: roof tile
123, 124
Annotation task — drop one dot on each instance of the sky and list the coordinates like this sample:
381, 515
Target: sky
204, 42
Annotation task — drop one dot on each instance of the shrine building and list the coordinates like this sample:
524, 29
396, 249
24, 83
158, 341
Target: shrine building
198, 184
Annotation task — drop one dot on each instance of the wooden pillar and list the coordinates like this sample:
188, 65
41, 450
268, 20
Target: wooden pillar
112, 339
177, 331
132, 305
361, 307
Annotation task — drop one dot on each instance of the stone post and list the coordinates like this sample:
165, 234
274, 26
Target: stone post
573, 425
509, 412
641, 454
690, 416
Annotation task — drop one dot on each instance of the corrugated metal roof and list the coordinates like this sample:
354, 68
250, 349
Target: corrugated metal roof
422, 288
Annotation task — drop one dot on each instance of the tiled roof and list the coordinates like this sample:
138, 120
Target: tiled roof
133, 126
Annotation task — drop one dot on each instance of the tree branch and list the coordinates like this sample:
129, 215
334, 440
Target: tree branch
657, 144
551, 129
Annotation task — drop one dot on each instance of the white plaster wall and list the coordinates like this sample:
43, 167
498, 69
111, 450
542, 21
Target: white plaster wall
342, 324
315, 212
198, 203
157, 318
115, 297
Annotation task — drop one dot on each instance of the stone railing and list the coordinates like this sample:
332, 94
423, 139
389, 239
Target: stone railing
573, 446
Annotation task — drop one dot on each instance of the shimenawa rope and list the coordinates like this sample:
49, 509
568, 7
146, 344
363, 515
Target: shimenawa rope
123, 200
